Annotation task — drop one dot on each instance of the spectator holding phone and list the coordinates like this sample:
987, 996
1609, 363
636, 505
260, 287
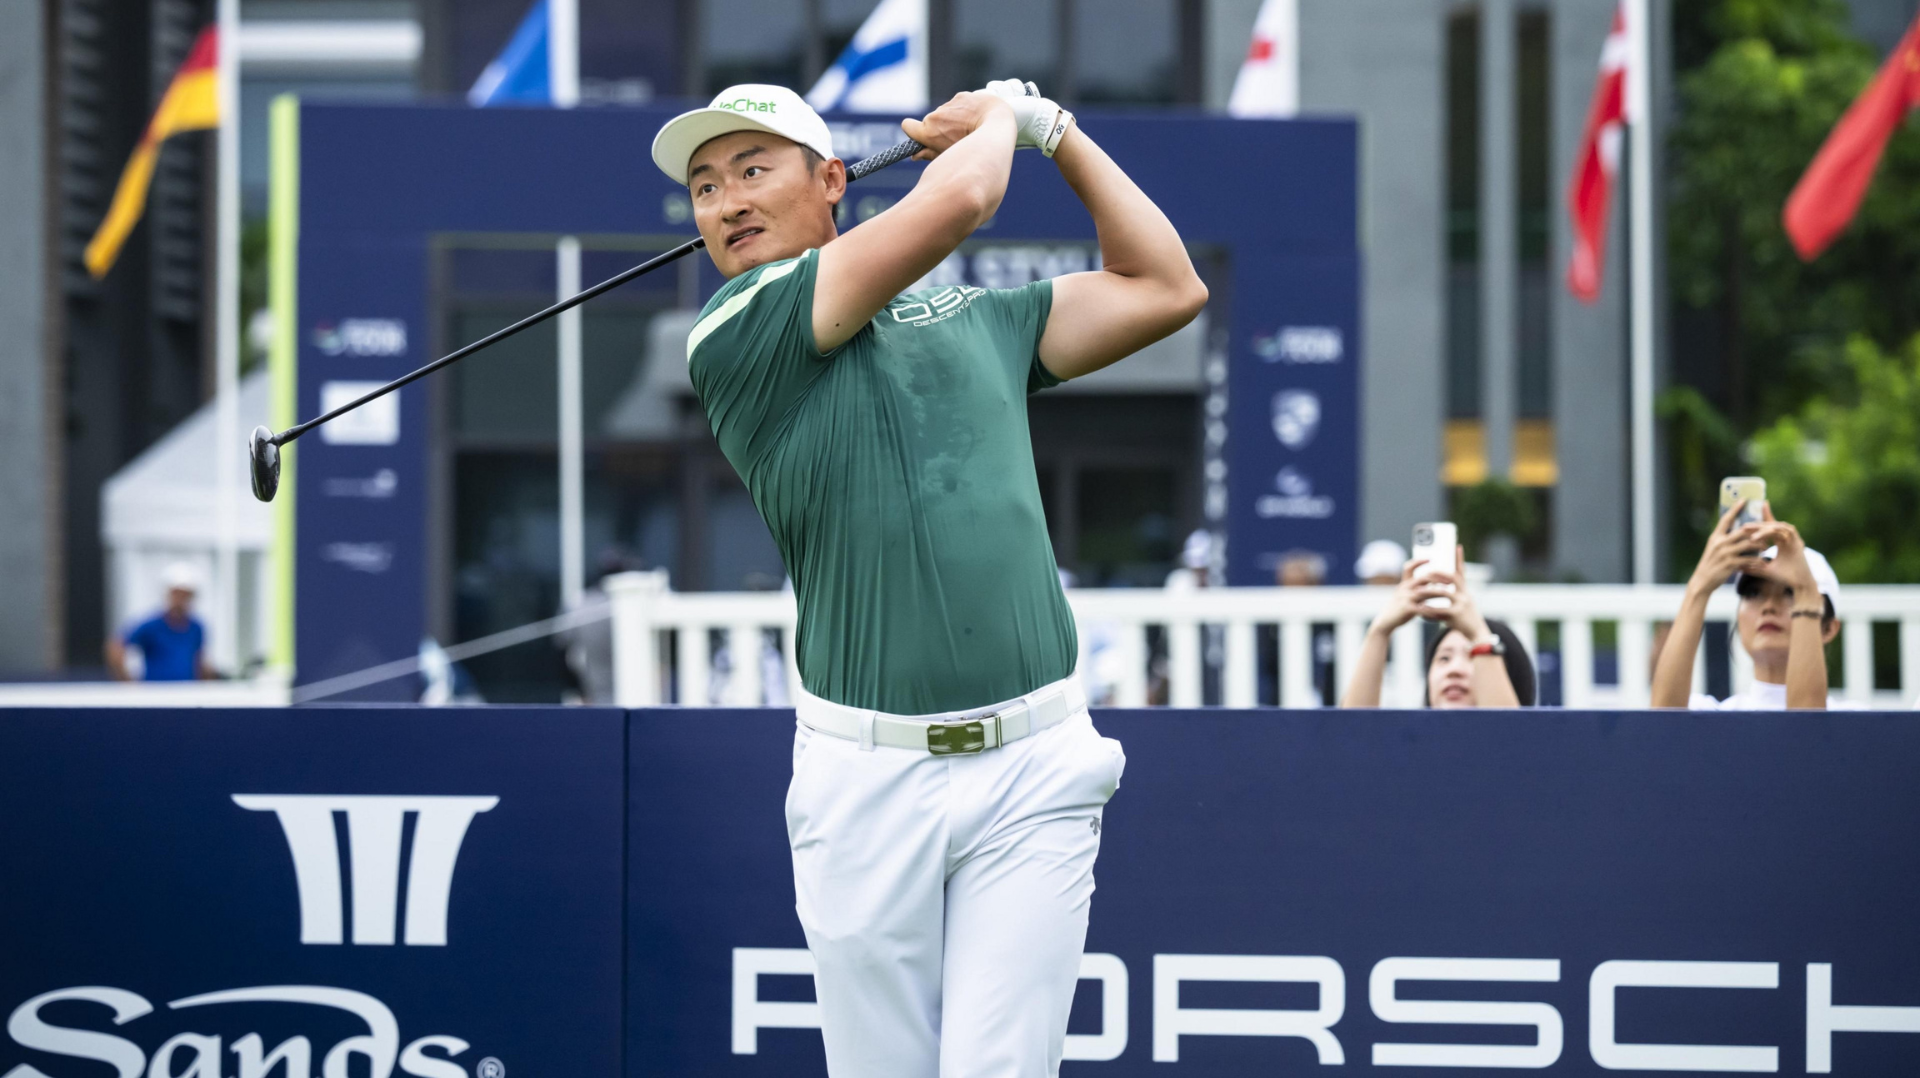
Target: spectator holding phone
1789, 604
1475, 661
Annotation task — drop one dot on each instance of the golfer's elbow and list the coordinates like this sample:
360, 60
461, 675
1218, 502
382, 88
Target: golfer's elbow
977, 198
1190, 297
1179, 299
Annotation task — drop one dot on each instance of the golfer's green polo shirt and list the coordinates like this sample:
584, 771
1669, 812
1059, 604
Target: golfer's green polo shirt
896, 474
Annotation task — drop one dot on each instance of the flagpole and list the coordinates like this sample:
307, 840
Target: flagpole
563, 60
226, 455
1640, 131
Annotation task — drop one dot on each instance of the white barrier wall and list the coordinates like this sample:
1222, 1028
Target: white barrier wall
680, 647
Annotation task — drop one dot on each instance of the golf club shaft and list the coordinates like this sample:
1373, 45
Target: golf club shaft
892, 155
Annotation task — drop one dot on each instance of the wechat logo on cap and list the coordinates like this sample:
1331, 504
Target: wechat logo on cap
748, 104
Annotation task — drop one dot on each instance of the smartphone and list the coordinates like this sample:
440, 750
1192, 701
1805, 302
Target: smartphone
1735, 487
1439, 544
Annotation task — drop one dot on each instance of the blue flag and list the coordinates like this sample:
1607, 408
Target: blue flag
521, 74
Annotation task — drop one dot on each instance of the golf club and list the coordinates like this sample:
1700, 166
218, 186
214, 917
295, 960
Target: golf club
263, 448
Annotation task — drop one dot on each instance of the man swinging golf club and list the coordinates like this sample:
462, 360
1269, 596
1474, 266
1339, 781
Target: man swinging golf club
948, 786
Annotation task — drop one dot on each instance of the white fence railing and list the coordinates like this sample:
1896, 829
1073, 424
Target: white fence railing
1141, 646
265, 691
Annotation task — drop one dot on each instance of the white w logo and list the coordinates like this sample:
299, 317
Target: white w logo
374, 826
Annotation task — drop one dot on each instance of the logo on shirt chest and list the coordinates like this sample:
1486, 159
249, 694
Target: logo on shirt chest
937, 307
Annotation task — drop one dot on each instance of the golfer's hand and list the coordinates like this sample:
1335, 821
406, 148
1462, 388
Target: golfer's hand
953, 121
1729, 550
1035, 116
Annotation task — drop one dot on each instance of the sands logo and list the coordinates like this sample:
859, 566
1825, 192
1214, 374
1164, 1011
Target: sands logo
379, 1046
374, 828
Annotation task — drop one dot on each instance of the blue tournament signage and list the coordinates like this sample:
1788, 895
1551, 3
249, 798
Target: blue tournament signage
361, 558
1293, 448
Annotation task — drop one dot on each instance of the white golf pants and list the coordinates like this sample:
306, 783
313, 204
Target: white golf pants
945, 898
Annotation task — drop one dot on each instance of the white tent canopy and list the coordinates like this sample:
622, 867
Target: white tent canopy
162, 509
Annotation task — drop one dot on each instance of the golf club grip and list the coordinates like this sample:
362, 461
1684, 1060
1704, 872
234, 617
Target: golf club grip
892, 155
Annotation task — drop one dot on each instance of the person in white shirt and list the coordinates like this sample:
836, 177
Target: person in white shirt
1789, 610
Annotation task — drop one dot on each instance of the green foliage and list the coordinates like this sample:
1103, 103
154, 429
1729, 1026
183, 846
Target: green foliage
1494, 507
1702, 447
253, 284
1845, 468
1768, 80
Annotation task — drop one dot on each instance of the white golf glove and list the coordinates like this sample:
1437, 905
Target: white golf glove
1042, 124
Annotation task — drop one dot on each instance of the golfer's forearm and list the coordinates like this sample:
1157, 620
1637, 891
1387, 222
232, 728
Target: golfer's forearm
1136, 239
969, 178
1673, 674
1806, 666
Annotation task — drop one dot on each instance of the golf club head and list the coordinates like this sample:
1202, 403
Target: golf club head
264, 457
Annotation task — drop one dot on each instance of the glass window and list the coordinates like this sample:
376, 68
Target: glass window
1125, 51
1128, 520
1004, 39
1463, 214
753, 41
1534, 118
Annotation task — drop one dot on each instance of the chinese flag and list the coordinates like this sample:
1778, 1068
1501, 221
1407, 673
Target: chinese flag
191, 103
1828, 195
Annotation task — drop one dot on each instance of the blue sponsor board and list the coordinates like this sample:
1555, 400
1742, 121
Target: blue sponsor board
495, 892
1282, 891
358, 892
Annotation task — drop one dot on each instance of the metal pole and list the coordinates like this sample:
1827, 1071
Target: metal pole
1499, 224
563, 51
227, 648
563, 43
1640, 128
572, 488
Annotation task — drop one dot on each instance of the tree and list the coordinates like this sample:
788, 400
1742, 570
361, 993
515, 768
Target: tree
1761, 84
1773, 77
1845, 468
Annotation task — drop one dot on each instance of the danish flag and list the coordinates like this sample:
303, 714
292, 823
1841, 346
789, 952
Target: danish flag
1599, 162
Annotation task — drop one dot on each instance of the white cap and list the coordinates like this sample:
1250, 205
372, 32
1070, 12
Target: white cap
180, 577
1198, 552
1823, 575
749, 106
1382, 557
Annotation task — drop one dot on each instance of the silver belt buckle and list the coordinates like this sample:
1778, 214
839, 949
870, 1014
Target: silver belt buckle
962, 738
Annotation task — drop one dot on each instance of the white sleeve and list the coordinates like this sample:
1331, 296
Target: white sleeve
1702, 702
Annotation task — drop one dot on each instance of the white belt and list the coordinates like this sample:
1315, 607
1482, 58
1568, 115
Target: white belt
953, 733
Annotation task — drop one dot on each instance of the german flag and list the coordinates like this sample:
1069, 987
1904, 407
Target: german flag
192, 103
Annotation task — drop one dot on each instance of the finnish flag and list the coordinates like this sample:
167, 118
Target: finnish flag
884, 67
540, 65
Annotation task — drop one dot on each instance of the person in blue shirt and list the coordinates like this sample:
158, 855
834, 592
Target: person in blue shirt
172, 643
